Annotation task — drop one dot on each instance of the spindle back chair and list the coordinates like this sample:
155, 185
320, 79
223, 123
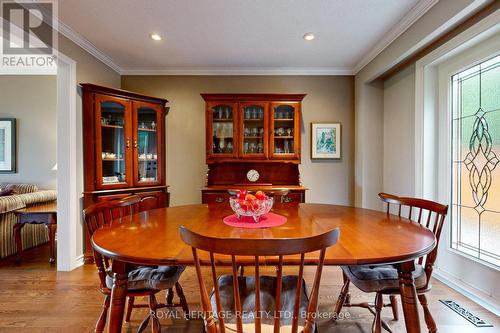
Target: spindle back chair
112, 211
258, 249
428, 214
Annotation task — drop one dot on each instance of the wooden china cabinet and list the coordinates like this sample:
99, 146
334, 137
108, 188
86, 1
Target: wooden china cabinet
124, 148
253, 143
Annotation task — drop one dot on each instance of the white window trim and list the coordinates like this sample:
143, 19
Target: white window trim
427, 174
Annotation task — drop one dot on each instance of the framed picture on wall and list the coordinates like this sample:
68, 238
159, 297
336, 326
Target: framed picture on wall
7, 145
325, 141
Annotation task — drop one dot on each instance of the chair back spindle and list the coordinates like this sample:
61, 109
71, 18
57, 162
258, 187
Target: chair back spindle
270, 251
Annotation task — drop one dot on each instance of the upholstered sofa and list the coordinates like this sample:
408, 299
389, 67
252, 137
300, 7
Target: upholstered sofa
23, 195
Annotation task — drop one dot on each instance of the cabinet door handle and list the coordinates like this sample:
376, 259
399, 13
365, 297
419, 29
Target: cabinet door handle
219, 199
135, 143
287, 199
127, 145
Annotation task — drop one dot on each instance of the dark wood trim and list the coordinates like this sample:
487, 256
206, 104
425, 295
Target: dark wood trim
445, 37
253, 97
122, 93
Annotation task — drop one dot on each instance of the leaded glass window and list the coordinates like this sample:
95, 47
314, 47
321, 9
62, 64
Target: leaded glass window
475, 212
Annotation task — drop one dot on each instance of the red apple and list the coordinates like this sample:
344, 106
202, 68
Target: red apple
241, 194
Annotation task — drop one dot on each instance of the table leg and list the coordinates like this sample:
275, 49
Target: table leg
409, 296
19, 242
118, 296
52, 241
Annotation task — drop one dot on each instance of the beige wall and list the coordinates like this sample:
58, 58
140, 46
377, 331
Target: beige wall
32, 101
328, 99
399, 137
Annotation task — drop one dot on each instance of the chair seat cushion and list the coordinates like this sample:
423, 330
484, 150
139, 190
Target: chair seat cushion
267, 302
149, 277
375, 278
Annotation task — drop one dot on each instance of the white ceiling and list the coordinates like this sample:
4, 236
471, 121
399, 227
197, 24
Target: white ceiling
254, 36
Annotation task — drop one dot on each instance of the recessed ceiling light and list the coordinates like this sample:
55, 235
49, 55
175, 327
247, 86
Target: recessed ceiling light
155, 36
309, 36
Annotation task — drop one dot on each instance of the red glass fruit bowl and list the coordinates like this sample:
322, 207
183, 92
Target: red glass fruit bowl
253, 208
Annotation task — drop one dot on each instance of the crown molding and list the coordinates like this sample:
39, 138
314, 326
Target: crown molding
85, 44
411, 17
239, 71
407, 21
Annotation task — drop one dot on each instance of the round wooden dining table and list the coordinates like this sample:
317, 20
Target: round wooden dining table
366, 237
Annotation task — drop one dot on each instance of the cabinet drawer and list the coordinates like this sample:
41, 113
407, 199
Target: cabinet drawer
103, 198
293, 198
215, 198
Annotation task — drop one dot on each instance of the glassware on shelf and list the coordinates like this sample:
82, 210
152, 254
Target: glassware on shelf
260, 147
261, 131
245, 147
287, 149
254, 113
221, 146
246, 131
230, 147
153, 125
247, 113
252, 147
227, 113
219, 112
289, 131
255, 131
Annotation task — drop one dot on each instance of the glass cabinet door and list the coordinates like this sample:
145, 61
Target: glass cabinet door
147, 143
113, 142
253, 127
285, 130
221, 141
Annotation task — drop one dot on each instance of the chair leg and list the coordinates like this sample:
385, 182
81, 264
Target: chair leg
394, 306
153, 306
170, 296
101, 322
429, 321
344, 292
130, 306
377, 321
182, 299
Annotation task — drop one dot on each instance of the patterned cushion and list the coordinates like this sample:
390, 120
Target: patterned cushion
150, 277
267, 302
20, 188
381, 277
38, 197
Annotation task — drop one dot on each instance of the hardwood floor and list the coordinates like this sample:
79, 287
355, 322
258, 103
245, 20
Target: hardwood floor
36, 298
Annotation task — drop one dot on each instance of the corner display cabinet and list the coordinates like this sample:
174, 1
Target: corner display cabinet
124, 148
253, 142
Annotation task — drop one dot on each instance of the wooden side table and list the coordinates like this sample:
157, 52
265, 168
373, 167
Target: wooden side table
42, 214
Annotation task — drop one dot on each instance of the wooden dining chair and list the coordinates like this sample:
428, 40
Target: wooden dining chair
263, 298
143, 281
383, 279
